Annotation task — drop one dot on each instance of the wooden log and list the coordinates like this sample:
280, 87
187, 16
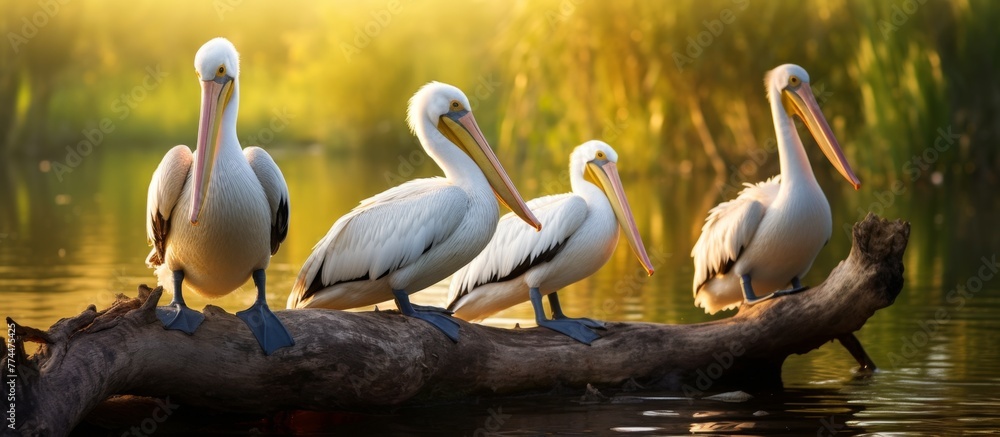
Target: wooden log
364, 360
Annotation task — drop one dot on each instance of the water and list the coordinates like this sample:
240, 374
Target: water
67, 244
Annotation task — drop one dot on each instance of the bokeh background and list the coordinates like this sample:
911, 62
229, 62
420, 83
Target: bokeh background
92, 94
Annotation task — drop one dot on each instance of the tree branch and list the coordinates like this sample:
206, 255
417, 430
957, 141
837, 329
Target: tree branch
357, 360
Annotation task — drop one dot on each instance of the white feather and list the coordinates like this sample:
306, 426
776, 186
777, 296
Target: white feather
583, 225
386, 232
730, 228
514, 242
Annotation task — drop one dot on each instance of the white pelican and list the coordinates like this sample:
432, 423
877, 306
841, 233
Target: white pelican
768, 237
216, 216
414, 235
580, 232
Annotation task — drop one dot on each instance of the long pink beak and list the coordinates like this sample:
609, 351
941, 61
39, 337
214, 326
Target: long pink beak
213, 97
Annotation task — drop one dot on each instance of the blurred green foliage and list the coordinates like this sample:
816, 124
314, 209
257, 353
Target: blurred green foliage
659, 80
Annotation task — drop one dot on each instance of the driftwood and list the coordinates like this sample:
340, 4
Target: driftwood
352, 360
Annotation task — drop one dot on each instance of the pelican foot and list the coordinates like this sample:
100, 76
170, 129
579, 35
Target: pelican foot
750, 298
441, 321
557, 313
590, 323
798, 289
577, 329
266, 327
439, 317
179, 317
571, 328
431, 309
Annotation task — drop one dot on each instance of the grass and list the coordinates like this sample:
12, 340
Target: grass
545, 75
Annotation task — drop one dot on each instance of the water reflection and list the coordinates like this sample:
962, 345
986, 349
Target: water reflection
67, 244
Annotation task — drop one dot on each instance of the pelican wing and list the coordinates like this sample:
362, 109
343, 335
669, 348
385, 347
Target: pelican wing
383, 234
729, 228
516, 247
275, 189
164, 191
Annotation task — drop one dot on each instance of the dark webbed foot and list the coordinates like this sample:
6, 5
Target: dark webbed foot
270, 333
557, 314
431, 309
751, 298
572, 329
177, 315
576, 329
439, 317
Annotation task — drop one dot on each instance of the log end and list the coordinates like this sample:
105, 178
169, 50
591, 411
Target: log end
880, 244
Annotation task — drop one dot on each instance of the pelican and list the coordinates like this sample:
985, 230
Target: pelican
414, 235
215, 216
767, 238
579, 235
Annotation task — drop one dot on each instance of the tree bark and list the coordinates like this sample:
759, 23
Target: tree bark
363, 360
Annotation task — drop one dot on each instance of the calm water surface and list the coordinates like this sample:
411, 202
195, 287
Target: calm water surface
66, 244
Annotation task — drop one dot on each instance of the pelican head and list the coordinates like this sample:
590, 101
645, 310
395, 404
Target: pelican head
218, 65
790, 84
448, 110
599, 164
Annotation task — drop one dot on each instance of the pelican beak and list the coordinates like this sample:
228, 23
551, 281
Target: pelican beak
215, 95
804, 105
460, 127
606, 174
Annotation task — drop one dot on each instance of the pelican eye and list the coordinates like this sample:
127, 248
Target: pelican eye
601, 155
455, 105
794, 81
221, 71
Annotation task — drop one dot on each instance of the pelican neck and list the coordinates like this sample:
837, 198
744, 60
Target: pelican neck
795, 167
588, 190
458, 167
229, 142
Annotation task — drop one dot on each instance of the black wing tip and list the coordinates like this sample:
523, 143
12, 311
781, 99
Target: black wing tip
451, 306
318, 285
461, 293
315, 286
525, 265
279, 229
161, 228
